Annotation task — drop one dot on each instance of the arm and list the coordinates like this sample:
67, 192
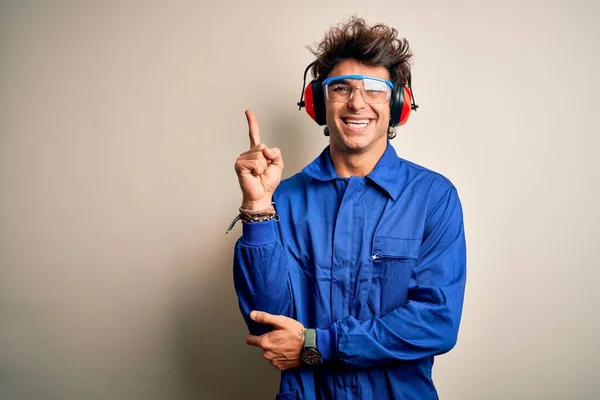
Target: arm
260, 274
260, 271
428, 323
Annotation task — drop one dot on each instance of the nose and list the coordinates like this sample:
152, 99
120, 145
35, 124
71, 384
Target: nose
356, 102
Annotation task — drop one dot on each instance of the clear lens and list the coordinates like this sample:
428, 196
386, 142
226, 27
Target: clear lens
373, 91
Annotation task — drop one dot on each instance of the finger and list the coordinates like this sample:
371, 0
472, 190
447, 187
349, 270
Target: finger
252, 340
279, 366
274, 155
254, 150
254, 153
255, 167
253, 128
265, 318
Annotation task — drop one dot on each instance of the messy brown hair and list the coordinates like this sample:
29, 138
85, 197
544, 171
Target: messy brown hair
376, 45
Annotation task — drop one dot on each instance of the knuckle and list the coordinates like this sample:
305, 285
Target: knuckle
265, 344
238, 168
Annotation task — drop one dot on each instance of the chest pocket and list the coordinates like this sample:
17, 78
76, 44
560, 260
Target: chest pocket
393, 262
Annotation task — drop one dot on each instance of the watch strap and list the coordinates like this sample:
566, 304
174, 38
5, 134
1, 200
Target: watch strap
310, 338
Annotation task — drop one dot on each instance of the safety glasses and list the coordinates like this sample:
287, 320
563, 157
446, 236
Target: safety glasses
373, 90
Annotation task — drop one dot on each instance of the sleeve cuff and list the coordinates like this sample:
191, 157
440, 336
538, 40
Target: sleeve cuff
258, 233
327, 342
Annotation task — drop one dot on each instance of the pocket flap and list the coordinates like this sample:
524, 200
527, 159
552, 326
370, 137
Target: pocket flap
394, 247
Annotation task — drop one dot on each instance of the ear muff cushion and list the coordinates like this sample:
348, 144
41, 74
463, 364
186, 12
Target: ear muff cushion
318, 102
396, 106
406, 106
400, 106
314, 101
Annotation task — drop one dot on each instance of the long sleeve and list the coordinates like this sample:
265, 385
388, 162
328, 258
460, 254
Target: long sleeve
260, 274
427, 324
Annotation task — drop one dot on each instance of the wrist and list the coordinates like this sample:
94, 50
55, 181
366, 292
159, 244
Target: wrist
254, 214
260, 215
257, 205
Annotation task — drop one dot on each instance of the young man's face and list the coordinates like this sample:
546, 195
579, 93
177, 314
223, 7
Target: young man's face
346, 121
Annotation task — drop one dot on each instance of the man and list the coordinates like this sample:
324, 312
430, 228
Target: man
354, 280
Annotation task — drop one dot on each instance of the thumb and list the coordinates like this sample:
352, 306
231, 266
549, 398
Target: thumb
265, 318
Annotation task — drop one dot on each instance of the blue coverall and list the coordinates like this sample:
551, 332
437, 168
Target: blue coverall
377, 264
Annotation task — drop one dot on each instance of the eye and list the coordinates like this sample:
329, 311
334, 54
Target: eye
341, 89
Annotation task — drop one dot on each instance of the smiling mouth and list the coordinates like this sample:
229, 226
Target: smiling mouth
356, 124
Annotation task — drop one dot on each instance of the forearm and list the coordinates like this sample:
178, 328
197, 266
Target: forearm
415, 330
260, 274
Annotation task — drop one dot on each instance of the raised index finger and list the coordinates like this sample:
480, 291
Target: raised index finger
252, 129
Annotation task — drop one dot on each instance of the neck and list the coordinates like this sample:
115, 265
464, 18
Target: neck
360, 163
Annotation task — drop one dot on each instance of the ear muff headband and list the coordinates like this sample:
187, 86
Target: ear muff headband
312, 98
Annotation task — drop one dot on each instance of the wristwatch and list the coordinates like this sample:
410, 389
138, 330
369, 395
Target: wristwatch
310, 354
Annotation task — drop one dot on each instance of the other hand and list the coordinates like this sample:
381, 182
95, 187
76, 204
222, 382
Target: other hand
282, 346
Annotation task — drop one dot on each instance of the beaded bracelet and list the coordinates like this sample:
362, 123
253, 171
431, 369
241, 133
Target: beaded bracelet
254, 216
270, 210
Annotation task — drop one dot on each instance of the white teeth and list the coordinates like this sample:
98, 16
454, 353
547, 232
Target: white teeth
357, 123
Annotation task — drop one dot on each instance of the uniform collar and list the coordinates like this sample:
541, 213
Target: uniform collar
383, 175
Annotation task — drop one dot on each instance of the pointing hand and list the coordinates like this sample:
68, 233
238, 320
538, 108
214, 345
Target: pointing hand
258, 169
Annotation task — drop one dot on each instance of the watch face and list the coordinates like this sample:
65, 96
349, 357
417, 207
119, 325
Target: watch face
311, 356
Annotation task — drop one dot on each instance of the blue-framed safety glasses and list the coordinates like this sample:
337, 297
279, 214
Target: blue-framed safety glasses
341, 88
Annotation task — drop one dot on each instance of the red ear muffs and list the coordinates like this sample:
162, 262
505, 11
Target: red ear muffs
400, 106
314, 101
